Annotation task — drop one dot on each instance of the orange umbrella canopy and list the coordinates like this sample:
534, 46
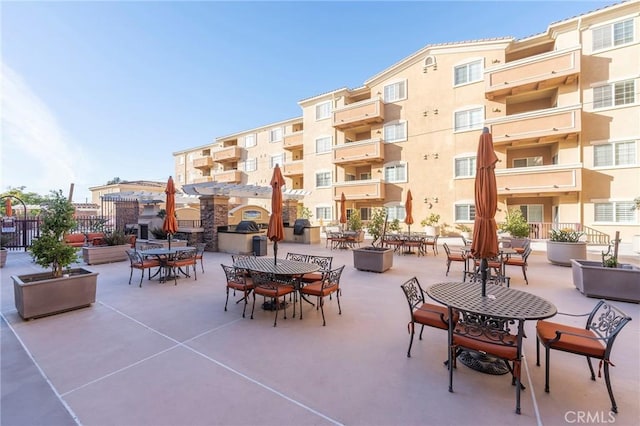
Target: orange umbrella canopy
408, 209
170, 224
275, 232
343, 209
7, 207
485, 239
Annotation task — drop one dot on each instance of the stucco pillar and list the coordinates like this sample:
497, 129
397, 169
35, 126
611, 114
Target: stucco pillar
290, 211
214, 212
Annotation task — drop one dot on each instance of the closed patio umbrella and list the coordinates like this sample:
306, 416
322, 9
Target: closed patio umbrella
485, 239
7, 207
343, 210
275, 232
170, 224
408, 210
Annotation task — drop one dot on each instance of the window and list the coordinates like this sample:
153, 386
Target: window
395, 173
468, 73
365, 176
430, 62
206, 152
396, 212
614, 94
323, 144
365, 213
395, 92
275, 135
469, 119
323, 213
619, 212
323, 179
323, 110
396, 132
614, 154
251, 165
276, 159
614, 34
249, 141
533, 212
527, 162
465, 212
465, 167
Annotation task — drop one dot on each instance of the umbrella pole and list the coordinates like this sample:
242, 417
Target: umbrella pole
484, 265
169, 238
275, 252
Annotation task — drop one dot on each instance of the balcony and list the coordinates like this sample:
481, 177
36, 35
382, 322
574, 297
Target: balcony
538, 72
365, 112
359, 152
229, 154
203, 163
293, 168
537, 127
370, 189
293, 141
203, 179
228, 176
541, 181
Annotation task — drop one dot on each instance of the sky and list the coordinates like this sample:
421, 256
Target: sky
91, 91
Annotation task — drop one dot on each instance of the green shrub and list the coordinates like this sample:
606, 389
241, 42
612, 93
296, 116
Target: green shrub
565, 235
116, 238
515, 224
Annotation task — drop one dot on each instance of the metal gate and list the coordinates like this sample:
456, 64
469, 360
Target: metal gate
21, 234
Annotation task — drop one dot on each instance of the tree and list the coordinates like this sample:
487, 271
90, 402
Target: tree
114, 181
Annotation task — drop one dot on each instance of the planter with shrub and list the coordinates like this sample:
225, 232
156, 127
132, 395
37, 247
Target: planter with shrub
114, 249
564, 245
374, 258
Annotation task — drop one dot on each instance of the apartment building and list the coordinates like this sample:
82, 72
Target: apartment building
562, 107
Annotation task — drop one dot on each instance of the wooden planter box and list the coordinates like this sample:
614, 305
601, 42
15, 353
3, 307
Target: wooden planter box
373, 259
104, 254
560, 253
594, 280
37, 295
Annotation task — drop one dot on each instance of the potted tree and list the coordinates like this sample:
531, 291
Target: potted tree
374, 258
517, 227
62, 288
565, 244
430, 224
354, 223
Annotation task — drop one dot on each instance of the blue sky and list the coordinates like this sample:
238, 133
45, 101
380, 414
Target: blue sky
95, 90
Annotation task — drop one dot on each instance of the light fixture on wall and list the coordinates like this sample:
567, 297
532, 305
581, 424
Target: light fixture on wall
435, 156
429, 200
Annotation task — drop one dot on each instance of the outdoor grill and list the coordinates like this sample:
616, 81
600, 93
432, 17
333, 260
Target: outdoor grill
299, 225
247, 226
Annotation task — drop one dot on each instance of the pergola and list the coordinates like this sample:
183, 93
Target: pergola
240, 190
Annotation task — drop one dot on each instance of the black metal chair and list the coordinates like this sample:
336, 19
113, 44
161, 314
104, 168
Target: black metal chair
237, 280
455, 257
595, 340
266, 285
137, 261
200, 254
329, 284
421, 312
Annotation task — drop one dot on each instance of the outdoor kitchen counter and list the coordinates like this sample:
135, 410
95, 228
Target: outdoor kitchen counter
237, 242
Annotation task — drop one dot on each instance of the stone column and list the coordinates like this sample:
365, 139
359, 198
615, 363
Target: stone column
214, 212
290, 211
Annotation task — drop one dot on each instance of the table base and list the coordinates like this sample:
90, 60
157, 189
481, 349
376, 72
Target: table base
483, 363
271, 306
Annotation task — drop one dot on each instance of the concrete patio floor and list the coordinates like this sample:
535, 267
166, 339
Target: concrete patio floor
170, 355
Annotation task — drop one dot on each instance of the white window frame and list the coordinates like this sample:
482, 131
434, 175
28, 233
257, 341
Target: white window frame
250, 164
613, 148
469, 113
529, 161
470, 159
394, 92
275, 134
604, 95
608, 38
395, 211
324, 212
323, 172
325, 142
276, 159
396, 165
396, 127
528, 210
250, 140
615, 217
468, 72
470, 211
323, 110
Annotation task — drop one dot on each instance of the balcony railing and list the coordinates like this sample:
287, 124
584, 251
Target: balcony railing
203, 163
293, 141
539, 126
370, 189
232, 153
542, 231
229, 176
539, 180
293, 168
359, 152
358, 113
538, 72
203, 179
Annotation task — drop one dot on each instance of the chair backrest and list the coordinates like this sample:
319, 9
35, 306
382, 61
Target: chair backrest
134, 256
332, 278
526, 253
263, 280
232, 274
200, 248
447, 250
297, 256
413, 292
323, 261
487, 331
606, 321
